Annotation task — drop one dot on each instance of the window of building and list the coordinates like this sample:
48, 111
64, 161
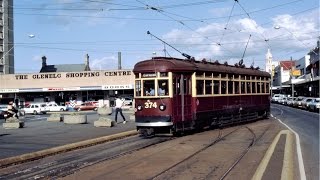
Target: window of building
208, 88
200, 87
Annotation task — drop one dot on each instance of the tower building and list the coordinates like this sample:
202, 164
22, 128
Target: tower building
6, 37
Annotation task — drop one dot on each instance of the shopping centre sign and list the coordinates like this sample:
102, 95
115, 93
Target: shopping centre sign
72, 75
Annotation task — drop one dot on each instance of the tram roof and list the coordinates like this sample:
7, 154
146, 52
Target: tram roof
165, 64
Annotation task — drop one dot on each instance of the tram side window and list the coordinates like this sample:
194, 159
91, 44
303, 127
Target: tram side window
248, 87
163, 88
230, 87
253, 87
243, 87
262, 87
236, 87
177, 86
148, 88
258, 87
200, 87
267, 88
223, 87
216, 87
208, 86
138, 88
185, 87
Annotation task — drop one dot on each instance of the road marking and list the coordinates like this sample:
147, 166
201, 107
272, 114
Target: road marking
287, 160
299, 153
287, 167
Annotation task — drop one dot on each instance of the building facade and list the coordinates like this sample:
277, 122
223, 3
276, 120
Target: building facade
299, 78
6, 37
61, 87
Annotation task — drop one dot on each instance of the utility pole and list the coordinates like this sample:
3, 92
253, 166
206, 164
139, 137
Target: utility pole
291, 77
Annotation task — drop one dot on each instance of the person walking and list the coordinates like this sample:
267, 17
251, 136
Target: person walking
12, 110
119, 104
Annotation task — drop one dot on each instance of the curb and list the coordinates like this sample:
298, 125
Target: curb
64, 148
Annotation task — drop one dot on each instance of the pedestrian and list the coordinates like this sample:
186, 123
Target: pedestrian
119, 104
12, 110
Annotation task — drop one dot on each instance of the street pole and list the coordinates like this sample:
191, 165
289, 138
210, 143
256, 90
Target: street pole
292, 87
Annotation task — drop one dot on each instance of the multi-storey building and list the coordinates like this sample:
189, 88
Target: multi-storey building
6, 37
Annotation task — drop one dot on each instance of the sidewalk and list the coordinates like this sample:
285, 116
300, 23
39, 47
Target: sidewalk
38, 134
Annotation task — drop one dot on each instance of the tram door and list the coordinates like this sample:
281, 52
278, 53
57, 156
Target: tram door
182, 113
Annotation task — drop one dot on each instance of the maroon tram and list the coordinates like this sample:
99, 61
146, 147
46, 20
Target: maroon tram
173, 95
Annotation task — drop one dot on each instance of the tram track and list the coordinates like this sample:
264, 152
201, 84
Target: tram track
67, 163
219, 138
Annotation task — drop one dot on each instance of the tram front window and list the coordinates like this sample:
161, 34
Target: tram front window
163, 88
149, 88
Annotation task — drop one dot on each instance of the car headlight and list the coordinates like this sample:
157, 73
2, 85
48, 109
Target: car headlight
162, 107
139, 107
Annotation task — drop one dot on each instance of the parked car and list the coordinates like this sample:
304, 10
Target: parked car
38, 108
128, 101
277, 97
2, 112
282, 100
55, 107
314, 105
87, 107
298, 101
306, 102
4, 108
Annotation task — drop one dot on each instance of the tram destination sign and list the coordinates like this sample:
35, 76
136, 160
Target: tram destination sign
72, 75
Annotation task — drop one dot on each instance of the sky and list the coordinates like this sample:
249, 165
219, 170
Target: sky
225, 30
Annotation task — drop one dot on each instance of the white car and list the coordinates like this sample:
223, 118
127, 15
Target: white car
314, 105
55, 107
40, 108
127, 101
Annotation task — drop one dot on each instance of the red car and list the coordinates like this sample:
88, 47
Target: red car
87, 107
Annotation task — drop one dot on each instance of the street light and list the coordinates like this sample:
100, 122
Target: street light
7, 52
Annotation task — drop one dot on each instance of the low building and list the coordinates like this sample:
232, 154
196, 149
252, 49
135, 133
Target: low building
61, 83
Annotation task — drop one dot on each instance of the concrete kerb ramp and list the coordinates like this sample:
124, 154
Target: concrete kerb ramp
47, 152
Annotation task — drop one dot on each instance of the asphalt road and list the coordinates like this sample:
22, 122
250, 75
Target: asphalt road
39, 134
306, 124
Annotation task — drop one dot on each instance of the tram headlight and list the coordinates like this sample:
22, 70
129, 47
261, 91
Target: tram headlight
162, 107
139, 107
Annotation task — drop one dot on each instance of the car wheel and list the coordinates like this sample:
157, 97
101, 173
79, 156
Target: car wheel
35, 112
61, 109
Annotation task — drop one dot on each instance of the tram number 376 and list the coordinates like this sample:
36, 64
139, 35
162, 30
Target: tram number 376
150, 104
